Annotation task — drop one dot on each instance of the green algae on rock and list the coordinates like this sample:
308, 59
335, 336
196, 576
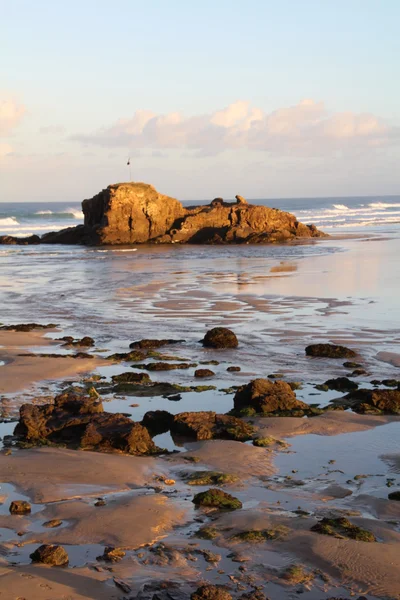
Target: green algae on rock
329, 351
342, 528
211, 478
217, 499
262, 535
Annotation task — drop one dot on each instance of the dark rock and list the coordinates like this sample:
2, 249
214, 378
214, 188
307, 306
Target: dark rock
341, 384
70, 236
131, 377
211, 592
84, 342
157, 421
100, 502
329, 351
208, 425
352, 365
151, 344
204, 373
27, 327
364, 401
394, 495
220, 337
358, 372
50, 554
10, 240
163, 366
135, 355
391, 383
266, 396
20, 507
81, 422
218, 499
233, 369
112, 554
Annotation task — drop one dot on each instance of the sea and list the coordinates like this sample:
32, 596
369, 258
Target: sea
278, 298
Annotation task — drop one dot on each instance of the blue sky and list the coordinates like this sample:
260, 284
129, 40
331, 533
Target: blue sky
265, 99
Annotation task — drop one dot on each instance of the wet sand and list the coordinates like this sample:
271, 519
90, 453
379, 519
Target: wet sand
339, 463
21, 372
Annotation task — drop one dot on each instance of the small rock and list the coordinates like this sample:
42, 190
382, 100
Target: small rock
100, 502
52, 523
329, 351
211, 592
204, 373
220, 337
20, 507
218, 499
233, 369
112, 554
50, 554
394, 495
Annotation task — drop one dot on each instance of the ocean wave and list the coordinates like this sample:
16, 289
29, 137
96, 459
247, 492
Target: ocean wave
384, 205
341, 207
69, 212
8, 221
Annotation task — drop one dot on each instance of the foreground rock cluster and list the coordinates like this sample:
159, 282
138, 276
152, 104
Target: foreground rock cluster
135, 213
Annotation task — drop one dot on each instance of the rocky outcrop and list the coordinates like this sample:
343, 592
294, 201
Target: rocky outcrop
80, 422
268, 397
135, 213
207, 425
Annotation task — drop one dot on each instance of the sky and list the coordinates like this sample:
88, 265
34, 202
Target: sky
264, 98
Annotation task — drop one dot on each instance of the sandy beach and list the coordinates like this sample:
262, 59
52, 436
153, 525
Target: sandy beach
335, 464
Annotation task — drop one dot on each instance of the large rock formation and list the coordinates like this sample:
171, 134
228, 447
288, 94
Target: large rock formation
135, 213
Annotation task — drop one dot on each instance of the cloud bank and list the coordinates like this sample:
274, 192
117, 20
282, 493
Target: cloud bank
307, 128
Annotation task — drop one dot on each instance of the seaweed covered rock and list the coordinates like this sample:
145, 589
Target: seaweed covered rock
268, 397
50, 554
341, 384
151, 344
218, 499
25, 327
207, 425
329, 351
374, 401
343, 528
81, 422
220, 337
131, 377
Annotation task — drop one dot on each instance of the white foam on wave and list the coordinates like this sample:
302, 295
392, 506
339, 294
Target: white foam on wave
44, 212
384, 205
341, 207
8, 221
77, 214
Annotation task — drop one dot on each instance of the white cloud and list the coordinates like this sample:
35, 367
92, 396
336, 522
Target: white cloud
11, 114
306, 128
